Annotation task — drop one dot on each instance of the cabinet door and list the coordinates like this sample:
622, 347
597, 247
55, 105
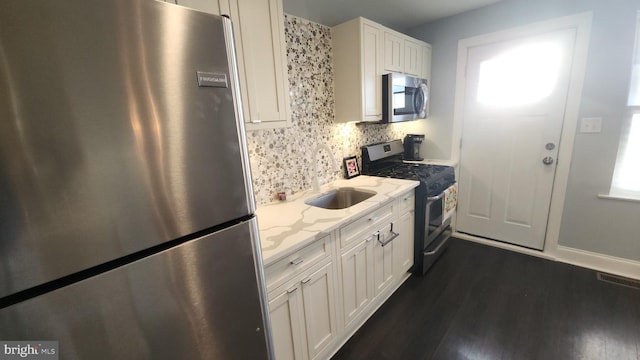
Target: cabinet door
393, 53
357, 279
287, 328
412, 58
426, 63
260, 48
403, 246
319, 309
383, 263
372, 82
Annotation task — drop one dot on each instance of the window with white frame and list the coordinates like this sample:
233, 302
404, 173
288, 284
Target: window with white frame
626, 176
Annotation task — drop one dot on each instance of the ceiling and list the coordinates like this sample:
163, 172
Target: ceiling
399, 15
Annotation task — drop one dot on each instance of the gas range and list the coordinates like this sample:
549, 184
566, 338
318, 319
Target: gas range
436, 178
431, 229
385, 160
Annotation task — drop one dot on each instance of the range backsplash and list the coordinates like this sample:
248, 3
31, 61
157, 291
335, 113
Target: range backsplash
281, 158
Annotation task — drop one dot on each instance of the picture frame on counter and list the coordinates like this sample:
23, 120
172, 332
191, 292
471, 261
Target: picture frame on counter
351, 169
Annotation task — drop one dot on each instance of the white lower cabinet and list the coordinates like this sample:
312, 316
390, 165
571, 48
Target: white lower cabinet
404, 244
321, 294
318, 293
287, 323
303, 309
357, 279
383, 259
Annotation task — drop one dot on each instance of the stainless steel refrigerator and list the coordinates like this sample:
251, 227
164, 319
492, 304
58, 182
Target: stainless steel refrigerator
127, 227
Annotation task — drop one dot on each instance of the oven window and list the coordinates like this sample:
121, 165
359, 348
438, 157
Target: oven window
435, 214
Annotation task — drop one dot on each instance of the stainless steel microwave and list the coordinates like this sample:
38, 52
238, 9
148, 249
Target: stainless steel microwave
404, 98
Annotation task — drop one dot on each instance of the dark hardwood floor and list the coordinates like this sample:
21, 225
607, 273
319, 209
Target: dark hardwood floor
480, 302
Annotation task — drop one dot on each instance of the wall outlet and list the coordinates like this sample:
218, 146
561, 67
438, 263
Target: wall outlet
591, 125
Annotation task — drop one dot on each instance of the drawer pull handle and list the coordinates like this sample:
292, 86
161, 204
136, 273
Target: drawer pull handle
296, 261
369, 238
292, 290
393, 236
306, 280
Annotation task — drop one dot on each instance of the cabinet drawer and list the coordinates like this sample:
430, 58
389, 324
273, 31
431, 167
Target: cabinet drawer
407, 202
353, 231
280, 271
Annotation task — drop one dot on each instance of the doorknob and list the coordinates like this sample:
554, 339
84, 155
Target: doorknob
547, 160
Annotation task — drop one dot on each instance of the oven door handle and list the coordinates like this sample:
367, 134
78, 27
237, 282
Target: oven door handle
437, 197
393, 236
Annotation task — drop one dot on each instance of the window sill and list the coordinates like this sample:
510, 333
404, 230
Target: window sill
620, 198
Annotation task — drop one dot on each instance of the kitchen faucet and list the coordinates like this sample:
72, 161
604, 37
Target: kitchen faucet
316, 178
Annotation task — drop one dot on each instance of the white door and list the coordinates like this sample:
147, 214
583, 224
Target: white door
514, 108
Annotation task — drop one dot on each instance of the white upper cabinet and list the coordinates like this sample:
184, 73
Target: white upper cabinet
426, 63
260, 45
404, 54
362, 52
357, 69
393, 52
262, 63
413, 58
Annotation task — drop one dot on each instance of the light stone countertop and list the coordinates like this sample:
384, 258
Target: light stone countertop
290, 225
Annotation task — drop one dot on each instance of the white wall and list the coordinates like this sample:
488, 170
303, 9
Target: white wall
591, 224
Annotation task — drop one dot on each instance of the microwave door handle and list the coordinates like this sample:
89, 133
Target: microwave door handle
424, 91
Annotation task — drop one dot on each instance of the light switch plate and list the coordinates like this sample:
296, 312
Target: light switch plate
591, 125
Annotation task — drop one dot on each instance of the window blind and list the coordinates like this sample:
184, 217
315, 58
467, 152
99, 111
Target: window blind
626, 176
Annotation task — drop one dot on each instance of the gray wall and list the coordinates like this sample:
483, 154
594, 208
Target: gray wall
597, 225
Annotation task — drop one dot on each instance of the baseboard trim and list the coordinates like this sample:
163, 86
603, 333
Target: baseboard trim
586, 259
604, 263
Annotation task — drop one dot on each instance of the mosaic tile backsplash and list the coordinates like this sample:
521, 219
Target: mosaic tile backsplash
281, 159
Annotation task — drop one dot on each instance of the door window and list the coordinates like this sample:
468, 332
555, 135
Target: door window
521, 76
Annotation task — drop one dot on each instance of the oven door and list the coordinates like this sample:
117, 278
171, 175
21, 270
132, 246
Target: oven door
437, 232
404, 98
434, 224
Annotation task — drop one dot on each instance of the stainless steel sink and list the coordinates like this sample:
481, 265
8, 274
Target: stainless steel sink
340, 198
